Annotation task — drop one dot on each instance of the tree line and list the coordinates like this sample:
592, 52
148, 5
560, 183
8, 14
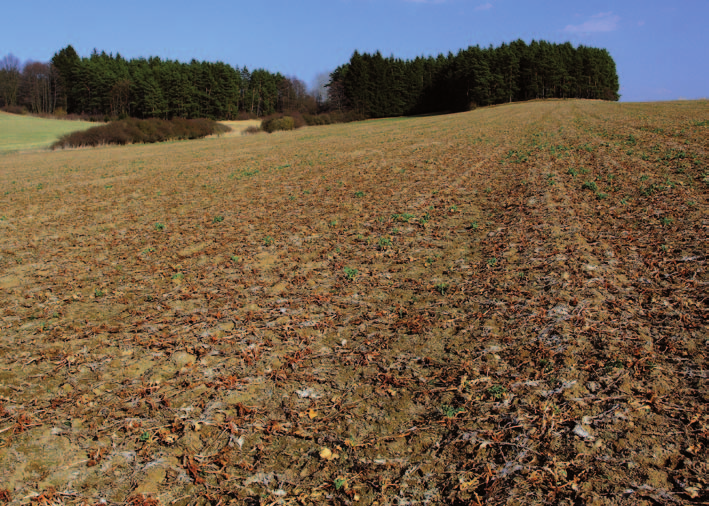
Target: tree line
106, 85
369, 85
379, 87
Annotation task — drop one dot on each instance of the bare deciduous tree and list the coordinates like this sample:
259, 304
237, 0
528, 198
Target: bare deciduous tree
38, 88
9, 80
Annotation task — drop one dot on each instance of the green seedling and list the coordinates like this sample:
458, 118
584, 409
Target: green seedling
450, 411
159, 226
546, 365
384, 242
496, 391
402, 217
268, 240
442, 288
358, 194
613, 364
218, 219
350, 273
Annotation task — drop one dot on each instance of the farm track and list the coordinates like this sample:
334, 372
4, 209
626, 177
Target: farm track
506, 306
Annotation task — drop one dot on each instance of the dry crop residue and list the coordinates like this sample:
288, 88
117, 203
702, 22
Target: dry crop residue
506, 306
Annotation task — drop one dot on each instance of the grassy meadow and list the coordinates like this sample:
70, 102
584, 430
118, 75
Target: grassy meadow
21, 133
505, 306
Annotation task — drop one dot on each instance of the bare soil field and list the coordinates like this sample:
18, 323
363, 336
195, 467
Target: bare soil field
507, 306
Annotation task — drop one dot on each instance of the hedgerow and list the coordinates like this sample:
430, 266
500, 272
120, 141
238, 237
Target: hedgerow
133, 131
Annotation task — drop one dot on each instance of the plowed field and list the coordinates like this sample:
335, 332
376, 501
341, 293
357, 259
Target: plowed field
506, 306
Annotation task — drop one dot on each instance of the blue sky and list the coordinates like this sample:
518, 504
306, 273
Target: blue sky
660, 46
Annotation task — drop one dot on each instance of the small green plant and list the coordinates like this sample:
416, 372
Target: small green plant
236, 259
491, 261
624, 201
218, 219
572, 172
546, 365
453, 208
646, 191
404, 218
590, 185
474, 225
357, 194
145, 436
384, 242
601, 195
268, 240
613, 364
450, 411
425, 219
178, 275
690, 203
350, 273
159, 226
99, 293
442, 288
340, 483
667, 221
496, 392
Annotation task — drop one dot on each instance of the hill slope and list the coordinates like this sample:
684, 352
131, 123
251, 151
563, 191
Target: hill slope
502, 305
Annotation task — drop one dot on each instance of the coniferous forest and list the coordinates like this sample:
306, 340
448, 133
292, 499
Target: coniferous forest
378, 87
369, 85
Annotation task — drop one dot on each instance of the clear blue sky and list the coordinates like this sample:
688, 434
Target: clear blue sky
660, 46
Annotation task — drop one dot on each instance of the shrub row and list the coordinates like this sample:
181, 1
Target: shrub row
295, 120
14, 109
270, 125
333, 117
132, 130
